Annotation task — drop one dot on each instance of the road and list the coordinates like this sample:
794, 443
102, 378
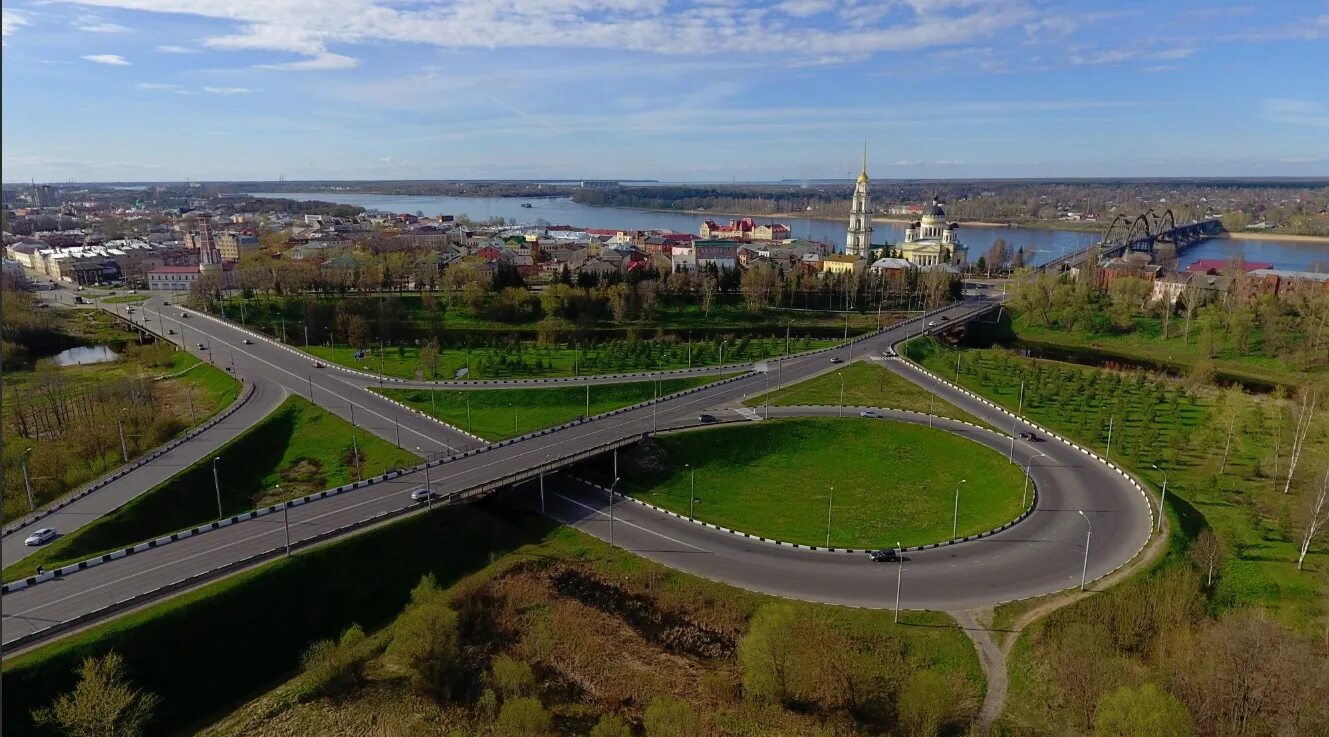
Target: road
1034, 557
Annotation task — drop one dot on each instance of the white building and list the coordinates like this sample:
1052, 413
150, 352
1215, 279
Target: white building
858, 240
932, 239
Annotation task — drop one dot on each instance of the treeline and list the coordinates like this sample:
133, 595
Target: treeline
295, 207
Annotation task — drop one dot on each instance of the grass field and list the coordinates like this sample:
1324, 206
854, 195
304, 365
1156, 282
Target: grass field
866, 384
893, 482
299, 448
278, 609
1157, 422
526, 359
497, 414
122, 298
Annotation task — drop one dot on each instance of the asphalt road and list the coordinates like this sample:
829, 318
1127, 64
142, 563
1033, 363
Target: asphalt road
995, 569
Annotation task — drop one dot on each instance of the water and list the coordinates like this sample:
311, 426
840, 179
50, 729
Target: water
1039, 244
86, 354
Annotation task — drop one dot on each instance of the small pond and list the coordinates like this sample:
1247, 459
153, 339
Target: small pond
85, 354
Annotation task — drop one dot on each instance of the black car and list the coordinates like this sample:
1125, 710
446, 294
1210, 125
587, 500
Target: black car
707, 418
1030, 436
885, 555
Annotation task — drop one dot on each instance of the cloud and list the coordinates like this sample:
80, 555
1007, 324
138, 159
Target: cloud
322, 62
227, 90
1295, 112
95, 24
156, 86
11, 21
1311, 29
114, 60
804, 8
169, 49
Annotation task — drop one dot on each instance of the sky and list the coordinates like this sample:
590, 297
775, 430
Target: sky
675, 90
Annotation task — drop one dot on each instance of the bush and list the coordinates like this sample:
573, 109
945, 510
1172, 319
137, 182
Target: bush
102, 703
424, 640
611, 725
1141, 712
669, 716
523, 717
334, 668
512, 677
925, 704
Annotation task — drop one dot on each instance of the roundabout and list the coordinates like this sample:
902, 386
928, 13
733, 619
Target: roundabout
850, 482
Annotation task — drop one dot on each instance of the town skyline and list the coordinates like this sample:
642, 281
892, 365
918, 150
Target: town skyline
701, 91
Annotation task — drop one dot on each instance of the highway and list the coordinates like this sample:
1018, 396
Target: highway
1036, 556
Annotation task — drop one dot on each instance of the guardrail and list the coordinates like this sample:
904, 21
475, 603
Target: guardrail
177, 441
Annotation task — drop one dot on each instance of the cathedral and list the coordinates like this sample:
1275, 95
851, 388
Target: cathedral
929, 241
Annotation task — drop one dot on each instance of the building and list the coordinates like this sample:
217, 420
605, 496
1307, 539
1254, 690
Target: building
1216, 266
933, 240
744, 229
232, 245
842, 263
173, 278
858, 240
891, 266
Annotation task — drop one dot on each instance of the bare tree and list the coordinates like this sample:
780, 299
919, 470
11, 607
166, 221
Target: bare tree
1317, 519
102, 703
1309, 397
707, 290
1207, 552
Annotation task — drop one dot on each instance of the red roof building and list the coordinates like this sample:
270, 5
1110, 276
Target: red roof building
1215, 266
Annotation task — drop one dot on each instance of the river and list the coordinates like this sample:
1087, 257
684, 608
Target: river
1039, 244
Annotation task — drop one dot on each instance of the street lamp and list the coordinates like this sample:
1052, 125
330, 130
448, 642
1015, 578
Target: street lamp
120, 424
841, 375
692, 494
830, 504
899, 578
1084, 571
355, 446
27, 481
1162, 498
955, 520
1024, 495
429, 487
216, 484
542, 485
611, 511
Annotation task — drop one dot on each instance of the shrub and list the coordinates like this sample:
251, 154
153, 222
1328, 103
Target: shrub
512, 677
611, 725
334, 668
1141, 712
925, 703
102, 703
424, 640
523, 717
669, 716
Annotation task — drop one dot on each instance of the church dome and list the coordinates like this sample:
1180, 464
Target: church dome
934, 211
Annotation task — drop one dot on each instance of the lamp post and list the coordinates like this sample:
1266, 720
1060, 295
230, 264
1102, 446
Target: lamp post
1024, 495
955, 520
692, 494
841, 375
1161, 498
1089, 533
355, 447
286, 521
216, 484
429, 488
542, 485
611, 511
899, 578
27, 481
120, 424
397, 425
830, 504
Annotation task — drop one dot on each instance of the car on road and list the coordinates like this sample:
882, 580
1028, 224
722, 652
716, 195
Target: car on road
111, 293
884, 555
184, 314
40, 537
837, 359
165, 303
944, 318
1030, 436
170, 331
868, 413
707, 418
202, 346
932, 323
247, 341
133, 291
318, 364
424, 494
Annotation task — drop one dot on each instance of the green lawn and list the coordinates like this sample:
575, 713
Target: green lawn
893, 482
299, 447
526, 359
121, 298
497, 414
866, 384
1156, 422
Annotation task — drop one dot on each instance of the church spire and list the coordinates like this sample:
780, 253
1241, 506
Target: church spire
865, 160
858, 239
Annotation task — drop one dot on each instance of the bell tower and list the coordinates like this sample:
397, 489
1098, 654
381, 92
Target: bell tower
858, 240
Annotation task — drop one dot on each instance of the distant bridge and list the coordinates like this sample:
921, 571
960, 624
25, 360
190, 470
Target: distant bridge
1145, 233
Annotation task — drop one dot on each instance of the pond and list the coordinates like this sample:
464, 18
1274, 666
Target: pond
86, 354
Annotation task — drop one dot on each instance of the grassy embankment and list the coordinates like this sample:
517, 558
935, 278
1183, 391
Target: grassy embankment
527, 360
865, 385
623, 629
1205, 349
67, 415
299, 448
893, 482
1184, 432
497, 414
122, 298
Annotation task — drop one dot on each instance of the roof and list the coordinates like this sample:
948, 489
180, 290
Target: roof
840, 258
1290, 274
175, 270
891, 263
1206, 265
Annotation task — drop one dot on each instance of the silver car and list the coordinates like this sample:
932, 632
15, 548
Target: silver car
40, 537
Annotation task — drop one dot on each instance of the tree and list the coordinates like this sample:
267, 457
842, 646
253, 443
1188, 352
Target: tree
706, 292
1207, 552
1127, 294
670, 716
429, 358
522, 717
611, 725
925, 703
334, 668
512, 677
102, 704
1307, 399
620, 301
998, 255
648, 294
424, 640
760, 285
1317, 517
1141, 712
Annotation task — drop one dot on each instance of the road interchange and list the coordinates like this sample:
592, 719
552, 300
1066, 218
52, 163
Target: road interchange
1039, 555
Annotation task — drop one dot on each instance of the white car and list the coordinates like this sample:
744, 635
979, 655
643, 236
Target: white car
867, 413
421, 494
40, 537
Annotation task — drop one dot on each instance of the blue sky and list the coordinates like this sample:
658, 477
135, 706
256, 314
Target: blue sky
699, 90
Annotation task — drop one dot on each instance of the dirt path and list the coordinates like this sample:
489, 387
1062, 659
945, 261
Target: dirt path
994, 658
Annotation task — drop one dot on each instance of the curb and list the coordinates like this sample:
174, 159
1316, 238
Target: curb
136, 464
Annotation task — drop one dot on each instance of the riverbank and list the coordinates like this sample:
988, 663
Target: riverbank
1286, 237
806, 216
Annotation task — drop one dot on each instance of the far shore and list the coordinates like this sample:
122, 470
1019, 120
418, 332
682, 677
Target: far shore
1246, 235
831, 218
